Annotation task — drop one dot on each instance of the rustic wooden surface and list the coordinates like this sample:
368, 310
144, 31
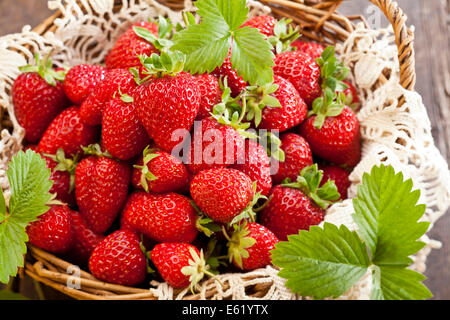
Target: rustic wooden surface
432, 30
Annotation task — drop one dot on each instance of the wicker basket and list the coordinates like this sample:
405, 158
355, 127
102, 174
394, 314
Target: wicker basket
320, 22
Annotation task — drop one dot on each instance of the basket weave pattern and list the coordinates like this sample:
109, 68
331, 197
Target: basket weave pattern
394, 124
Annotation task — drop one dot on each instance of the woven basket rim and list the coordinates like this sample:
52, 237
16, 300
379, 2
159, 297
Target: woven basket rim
324, 24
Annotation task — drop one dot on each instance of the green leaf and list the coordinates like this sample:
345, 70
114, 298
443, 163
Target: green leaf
398, 283
232, 13
251, 56
322, 262
29, 182
387, 215
205, 45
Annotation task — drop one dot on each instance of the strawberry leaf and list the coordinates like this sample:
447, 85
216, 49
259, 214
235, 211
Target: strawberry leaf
322, 262
30, 185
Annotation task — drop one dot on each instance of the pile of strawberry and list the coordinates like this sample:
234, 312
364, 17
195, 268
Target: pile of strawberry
128, 205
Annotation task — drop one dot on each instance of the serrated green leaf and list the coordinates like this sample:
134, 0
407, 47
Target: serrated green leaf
387, 215
233, 13
398, 283
29, 182
251, 56
206, 46
322, 262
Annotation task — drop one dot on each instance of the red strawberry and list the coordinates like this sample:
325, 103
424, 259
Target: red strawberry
210, 94
302, 71
339, 176
68, 133
249, 247
159, 171
167, 104
101, 188
351, 97
53, 230
292, 110
36, 101
291, 207
263, 23
81, 80
122, 133
333, 136
119, 259
233, 81
62, 175
256, 166
222, 193
297, 156
166, 217
312, 49
116, 80
213, 145
124, 53
179, 264
85, 240
132, 198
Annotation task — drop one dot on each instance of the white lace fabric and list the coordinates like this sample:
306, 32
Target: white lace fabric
394, 135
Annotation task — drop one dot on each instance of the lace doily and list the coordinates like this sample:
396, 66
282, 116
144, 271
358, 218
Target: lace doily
392, 134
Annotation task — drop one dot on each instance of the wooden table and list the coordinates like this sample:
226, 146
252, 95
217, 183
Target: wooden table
431, 20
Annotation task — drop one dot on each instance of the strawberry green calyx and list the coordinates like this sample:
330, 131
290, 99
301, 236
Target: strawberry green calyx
249, 212
95, 150
156, 66
332, 71
161, 42
309, 181
284, 35
257, 98
197, 269
65, 164
148, 155
239, 243
45, 69
203, 223
330, 104
272, 143
348, 101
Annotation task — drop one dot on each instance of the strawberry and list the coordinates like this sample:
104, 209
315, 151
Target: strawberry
132, 198
38, 97
263, 23
122, 133
67, 132
351, 97
332, 131
63, 176
85, 240
159, 171
116, 80
249, 247
339, 176
166, 217
179, 264
302, 71
291, 111
233, 81
256, 166
119, 259
213, 145
295, 206
168, 103
222, 193
297, 156
81, 80
210, 94
124, 53
53, 230
312, 49
101, 188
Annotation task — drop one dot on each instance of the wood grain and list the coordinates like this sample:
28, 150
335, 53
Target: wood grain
430, 19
